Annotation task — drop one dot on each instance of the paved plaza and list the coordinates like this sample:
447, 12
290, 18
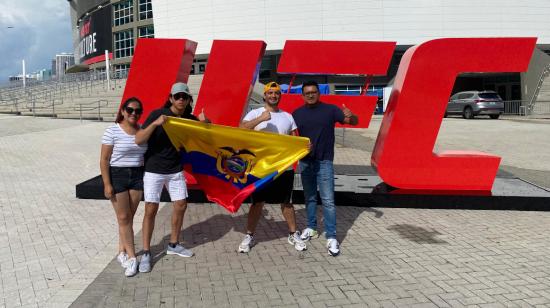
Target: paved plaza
58, 251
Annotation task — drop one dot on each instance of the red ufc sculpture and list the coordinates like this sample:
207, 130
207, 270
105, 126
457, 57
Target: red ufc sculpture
332, 58
403, 154
157, 64
231, 73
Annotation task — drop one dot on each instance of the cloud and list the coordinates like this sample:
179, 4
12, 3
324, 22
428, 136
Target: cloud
41, 29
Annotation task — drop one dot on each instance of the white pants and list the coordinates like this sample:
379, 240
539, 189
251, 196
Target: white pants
154, 182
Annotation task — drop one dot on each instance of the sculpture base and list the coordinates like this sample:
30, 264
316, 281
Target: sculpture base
361, 186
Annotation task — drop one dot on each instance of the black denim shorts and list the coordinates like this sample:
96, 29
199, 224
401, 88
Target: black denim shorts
278, 191
126, 178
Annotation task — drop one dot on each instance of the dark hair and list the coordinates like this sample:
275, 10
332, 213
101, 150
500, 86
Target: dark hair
119, 116
188, 110
309, 84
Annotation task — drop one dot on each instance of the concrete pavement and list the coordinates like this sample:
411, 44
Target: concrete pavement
56, 250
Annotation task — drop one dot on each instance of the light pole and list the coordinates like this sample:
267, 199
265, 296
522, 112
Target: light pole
107, 69
24, 74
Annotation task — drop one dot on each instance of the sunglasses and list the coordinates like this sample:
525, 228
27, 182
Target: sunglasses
181, 95
131, 110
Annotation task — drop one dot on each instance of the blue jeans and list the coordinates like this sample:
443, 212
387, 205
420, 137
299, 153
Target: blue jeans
321, 173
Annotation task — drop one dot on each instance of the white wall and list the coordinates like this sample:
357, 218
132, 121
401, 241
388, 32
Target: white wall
407, 22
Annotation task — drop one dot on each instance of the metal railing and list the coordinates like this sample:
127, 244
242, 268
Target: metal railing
4, 105
37, 105
522, 108
60, 96
541, 108
533, 100
86, 79
515, 107
57, 109
80, 107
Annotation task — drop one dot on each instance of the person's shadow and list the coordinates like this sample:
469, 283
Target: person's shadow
217, 226
269, 228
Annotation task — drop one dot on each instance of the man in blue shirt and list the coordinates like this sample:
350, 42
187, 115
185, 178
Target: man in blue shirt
316, 121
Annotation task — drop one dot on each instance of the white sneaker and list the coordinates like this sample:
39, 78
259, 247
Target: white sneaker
180, 251
333, 247
247, 243
131, 267
122, 258
145, 263
294, 239
309, 234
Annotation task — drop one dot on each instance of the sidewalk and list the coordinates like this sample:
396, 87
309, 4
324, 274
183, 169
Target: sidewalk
390, 257
56, 250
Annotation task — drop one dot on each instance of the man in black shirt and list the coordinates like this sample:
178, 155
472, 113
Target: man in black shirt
163, 168
316, 121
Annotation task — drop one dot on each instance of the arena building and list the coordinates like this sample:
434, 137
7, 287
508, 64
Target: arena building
406, 22
100, 25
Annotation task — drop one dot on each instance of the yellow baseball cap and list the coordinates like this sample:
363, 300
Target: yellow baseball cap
272, 86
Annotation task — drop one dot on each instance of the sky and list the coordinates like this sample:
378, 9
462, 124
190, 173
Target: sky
41, 29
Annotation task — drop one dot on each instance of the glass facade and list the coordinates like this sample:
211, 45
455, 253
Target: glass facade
123, 12
145, 9
124, 43
131, 19
121, 70
147, 31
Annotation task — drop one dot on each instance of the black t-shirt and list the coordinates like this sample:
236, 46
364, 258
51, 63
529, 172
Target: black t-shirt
317, 123
161, 156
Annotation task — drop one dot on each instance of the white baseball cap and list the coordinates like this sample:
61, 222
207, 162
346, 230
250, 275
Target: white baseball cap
180, 87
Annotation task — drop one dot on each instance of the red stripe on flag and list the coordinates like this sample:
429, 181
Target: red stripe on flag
223, 193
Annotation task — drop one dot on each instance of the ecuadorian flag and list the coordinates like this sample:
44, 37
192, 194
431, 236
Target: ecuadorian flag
230, 163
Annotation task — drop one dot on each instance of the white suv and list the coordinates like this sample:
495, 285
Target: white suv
473, 103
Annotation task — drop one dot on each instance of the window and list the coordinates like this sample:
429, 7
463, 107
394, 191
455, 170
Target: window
347, 90
488, 95
124, 43
147, 31
121, 71
123, 12
373, 90
145, 9
202, 68
465, 95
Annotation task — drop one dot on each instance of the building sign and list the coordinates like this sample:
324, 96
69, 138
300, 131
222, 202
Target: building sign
95, 36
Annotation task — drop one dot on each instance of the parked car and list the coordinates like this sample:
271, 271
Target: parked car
473, 103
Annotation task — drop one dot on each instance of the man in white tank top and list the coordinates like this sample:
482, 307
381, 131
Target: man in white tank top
271, 119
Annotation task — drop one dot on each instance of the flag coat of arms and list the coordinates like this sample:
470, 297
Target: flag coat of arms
231, 163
